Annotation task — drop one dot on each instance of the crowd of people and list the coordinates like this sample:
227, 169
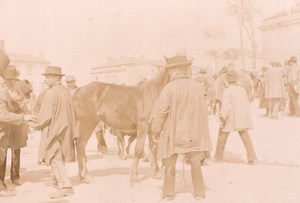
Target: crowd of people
179, 120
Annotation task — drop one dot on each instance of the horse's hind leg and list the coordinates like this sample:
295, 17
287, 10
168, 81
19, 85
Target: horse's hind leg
85, 132
130, 140
121, 144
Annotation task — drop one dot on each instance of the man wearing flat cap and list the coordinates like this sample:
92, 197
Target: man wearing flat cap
55, 119
293, 81
180, 122
71, 83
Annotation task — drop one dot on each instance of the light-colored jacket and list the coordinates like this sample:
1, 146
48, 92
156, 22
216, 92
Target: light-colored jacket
235, 109
180, 115
56, 120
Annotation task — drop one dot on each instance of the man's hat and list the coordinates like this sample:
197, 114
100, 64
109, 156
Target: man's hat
4, 60
70, 78
231, 76
224, 69
176, 61
10, 73
202, 70
53, 70
24, 88
276, 63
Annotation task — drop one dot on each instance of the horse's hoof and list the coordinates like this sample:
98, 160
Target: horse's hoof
124, 157
157, 174
133, 181
87, 179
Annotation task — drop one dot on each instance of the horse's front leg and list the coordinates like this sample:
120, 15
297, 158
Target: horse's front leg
85, 132
138, 151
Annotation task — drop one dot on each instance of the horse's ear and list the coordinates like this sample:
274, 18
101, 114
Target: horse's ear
166, 58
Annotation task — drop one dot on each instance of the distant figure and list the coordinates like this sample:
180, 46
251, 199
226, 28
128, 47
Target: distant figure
71, 83
274, 89
292, 78
235, 116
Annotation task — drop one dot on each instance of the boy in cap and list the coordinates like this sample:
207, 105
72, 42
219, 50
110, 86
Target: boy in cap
180, 122
235, 116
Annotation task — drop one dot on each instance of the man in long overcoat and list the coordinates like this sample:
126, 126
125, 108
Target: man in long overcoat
180, 120
56, 120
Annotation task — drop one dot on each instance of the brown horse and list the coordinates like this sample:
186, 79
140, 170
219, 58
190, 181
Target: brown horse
124, 108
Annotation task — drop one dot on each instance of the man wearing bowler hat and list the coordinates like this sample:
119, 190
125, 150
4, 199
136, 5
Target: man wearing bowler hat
55, 119
180, 122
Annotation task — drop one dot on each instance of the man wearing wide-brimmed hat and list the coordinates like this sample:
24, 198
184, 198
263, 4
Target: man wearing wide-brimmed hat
180, 121
293, 80
57, 111
12, 127
235, 116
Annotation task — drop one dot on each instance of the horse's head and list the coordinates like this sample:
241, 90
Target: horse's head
160, 80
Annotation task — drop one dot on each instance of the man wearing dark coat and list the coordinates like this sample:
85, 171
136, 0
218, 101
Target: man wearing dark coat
17, 138
56, 121
12, 124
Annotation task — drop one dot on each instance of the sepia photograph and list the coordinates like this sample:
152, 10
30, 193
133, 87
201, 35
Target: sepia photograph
149, 101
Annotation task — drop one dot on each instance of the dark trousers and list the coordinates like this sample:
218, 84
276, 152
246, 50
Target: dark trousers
15, 164
222, 139
196, 173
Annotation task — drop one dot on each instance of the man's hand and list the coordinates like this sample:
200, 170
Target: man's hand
155, 137
30, 118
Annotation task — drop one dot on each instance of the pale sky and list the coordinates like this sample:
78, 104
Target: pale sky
79, 34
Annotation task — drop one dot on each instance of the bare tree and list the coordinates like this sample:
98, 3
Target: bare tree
246, 12
216, 36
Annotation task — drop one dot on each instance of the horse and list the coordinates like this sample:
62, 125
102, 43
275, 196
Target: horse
124, 108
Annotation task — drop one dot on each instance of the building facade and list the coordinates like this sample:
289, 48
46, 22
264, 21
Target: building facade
280, 36
125, 71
